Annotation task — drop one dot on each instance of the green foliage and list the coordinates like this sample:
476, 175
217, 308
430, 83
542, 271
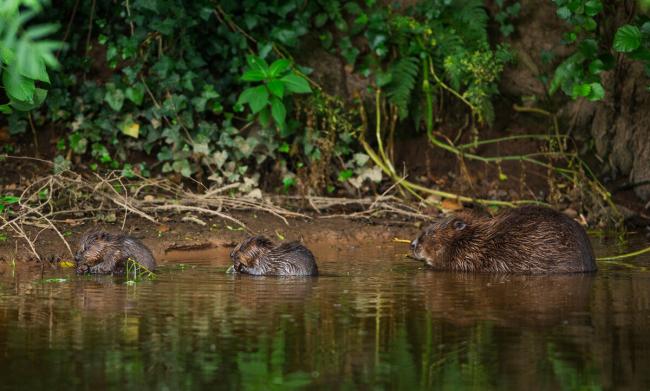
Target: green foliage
579, 75
407, 49
167, 86
25, 55
506, 15
7, 200
403, 75
278, 82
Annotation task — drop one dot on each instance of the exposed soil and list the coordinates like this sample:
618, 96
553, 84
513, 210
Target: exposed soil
171, 239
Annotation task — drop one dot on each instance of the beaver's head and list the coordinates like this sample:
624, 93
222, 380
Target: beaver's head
446, 240
92, 248
247, 253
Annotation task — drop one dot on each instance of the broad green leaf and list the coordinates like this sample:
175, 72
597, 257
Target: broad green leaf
279, 67
296, 84
627, 39
562, 73
265, 116
597, 92
38, 98
593, 7
581, 90
17, 86
588, 48
276, 87
596, 66
115, 99
258, 64
135, 94
258, 99
278, 111
5, 109
563, 13
253, 75
246, 96
29, 63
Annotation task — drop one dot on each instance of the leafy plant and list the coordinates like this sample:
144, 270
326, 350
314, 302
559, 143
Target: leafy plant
579, 75
279, 81
7, 200
24, 55
505, 15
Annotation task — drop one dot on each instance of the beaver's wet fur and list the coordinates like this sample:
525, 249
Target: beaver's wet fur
530, 239
106, 253
259, 256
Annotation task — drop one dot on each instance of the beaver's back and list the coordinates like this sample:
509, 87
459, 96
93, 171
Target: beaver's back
290, 259
133, 248
534, 239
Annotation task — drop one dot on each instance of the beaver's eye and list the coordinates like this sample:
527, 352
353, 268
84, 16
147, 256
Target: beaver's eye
459, 225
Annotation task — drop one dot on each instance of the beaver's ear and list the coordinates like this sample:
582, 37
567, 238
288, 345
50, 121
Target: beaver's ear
459, 225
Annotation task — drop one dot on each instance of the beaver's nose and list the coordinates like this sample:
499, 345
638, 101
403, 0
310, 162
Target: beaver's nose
414, 244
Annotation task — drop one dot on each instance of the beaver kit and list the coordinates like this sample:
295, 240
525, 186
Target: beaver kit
529, 239
105, 253
259, 256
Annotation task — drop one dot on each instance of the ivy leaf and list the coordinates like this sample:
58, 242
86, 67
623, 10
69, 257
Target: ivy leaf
258, 99
581, 90
627, 39
588, 48
296, 84
131, 129
597, 92
278, 111
564, 13
344, 175
279, 67
115, 99
593, 7
135, 94
276, 87
596, 66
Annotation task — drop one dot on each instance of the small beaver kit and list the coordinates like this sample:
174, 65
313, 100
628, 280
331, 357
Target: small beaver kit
529, 239
259, 256
105, 253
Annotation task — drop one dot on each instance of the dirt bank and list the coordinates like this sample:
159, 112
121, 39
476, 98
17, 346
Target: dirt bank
171, 238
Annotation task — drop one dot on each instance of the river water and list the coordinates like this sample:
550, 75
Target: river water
374, 319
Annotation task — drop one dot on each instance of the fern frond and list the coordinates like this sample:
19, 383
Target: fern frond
470, 19
404, 76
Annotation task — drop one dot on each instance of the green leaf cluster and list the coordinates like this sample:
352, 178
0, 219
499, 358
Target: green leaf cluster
25, 55
579, 75
275, 83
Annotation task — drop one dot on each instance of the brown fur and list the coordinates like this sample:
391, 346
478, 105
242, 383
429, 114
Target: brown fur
105, 253
529, 239
259, 256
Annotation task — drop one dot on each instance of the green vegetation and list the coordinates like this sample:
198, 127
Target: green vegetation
25, 55
244, 94
579, 76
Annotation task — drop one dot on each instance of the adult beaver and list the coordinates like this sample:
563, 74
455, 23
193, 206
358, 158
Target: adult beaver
105, 253
529, 239
259, 256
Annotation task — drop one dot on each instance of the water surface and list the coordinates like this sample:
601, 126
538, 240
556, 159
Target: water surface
375, 319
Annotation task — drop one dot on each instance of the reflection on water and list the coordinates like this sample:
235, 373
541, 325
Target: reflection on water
374, 318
